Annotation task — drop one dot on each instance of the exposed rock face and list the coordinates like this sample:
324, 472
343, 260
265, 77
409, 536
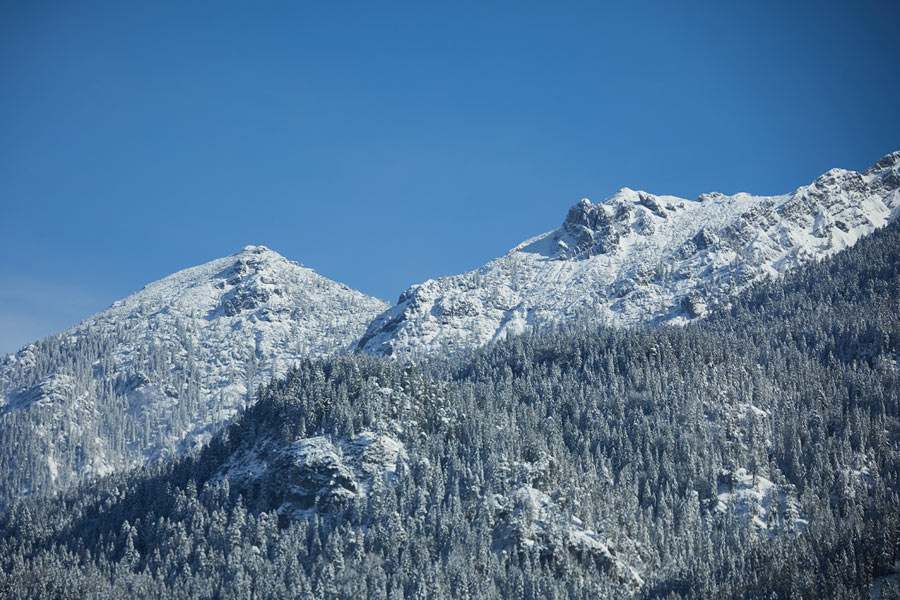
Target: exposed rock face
704, 239
318, 474
591, 227
694, 305
530, 521
885, 174
639, 258
168, 365
758, 502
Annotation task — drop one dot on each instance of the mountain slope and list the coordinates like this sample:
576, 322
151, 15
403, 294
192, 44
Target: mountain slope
638, 258
158, 372
755, 453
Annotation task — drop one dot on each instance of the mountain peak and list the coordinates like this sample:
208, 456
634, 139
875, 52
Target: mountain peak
582, 213
260, 254
260, 250
221, 329
885, 173
640, 258
625, 193
887, 161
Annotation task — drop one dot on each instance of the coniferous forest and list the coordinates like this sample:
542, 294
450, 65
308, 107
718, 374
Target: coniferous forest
751, 454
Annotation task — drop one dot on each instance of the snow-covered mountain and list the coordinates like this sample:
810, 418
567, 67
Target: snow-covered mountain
637, 258
156, 373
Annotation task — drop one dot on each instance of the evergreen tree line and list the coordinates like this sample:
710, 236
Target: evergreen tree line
636, 435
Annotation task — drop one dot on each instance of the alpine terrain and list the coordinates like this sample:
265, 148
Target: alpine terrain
754, 453
662, 398
157, 373
637, 258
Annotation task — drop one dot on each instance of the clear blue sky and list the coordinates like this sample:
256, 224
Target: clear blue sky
386, 143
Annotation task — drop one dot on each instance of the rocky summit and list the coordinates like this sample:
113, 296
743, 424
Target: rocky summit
637, 258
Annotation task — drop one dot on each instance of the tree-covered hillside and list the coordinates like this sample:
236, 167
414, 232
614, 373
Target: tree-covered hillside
754, 454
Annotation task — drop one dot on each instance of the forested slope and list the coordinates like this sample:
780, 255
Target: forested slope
751, 454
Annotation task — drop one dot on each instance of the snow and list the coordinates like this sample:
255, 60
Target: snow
220, 329
759, 502
316, 473
224, 327
655, 260
532, 519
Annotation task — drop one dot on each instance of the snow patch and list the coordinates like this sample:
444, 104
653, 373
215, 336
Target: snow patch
758, 502
318, 474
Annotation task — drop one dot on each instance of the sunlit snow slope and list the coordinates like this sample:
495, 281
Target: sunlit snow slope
637, 258
158, 372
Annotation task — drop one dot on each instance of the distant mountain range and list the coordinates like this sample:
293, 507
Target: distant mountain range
637, 258
158, 373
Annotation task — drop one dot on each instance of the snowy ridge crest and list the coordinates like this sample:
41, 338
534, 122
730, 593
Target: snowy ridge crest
639, 258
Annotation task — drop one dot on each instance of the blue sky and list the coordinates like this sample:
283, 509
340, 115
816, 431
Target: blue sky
386, 143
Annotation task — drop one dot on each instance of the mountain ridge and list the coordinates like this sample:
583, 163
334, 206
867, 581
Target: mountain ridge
172, 363
638, 258
584, 462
